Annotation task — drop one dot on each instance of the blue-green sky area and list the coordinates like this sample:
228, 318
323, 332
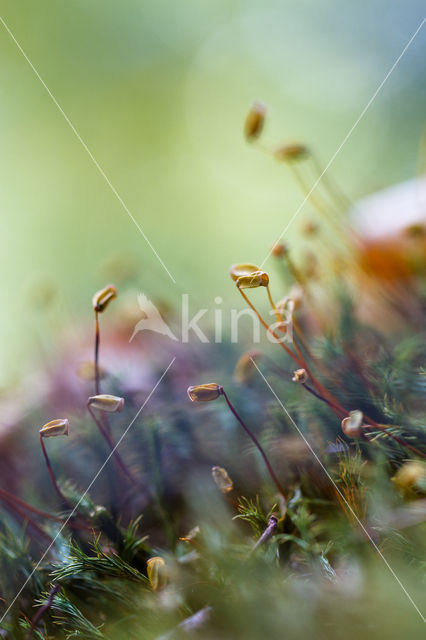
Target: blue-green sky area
158, 91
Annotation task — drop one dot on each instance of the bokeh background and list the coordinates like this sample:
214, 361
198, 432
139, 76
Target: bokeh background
158, 91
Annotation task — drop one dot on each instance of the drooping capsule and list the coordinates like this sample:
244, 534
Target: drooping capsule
102, 298
222, 479
254, 121
290, 152
244, 369
157, 572
352, 425
279, 249
204, 392
54, 428
253, 281
300, 376
242, 269
106, 402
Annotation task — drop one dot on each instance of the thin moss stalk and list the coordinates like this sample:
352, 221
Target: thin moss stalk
256, 443
52, 474
111, 444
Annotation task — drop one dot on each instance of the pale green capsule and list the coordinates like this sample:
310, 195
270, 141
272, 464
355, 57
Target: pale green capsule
157, 573
106, 402
253, 281
102, 298
55, 428
238, 270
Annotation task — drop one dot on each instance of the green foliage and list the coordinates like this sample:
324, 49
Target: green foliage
71, 619
103, 565
251, 511
133, 543
16, 564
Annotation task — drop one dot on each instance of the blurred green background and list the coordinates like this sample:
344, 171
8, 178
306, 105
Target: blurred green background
158, 91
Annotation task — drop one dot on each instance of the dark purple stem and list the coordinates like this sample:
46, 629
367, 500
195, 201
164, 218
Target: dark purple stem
97, 339
52, 593
18, 504
257, 444
112, 446
320, 397
9, 497
27, 519
52, 475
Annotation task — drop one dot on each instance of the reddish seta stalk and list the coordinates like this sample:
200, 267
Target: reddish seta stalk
108, 438
15, 501
97, 340
320, 391
52, 475
17, 511
53, 591
256, 443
